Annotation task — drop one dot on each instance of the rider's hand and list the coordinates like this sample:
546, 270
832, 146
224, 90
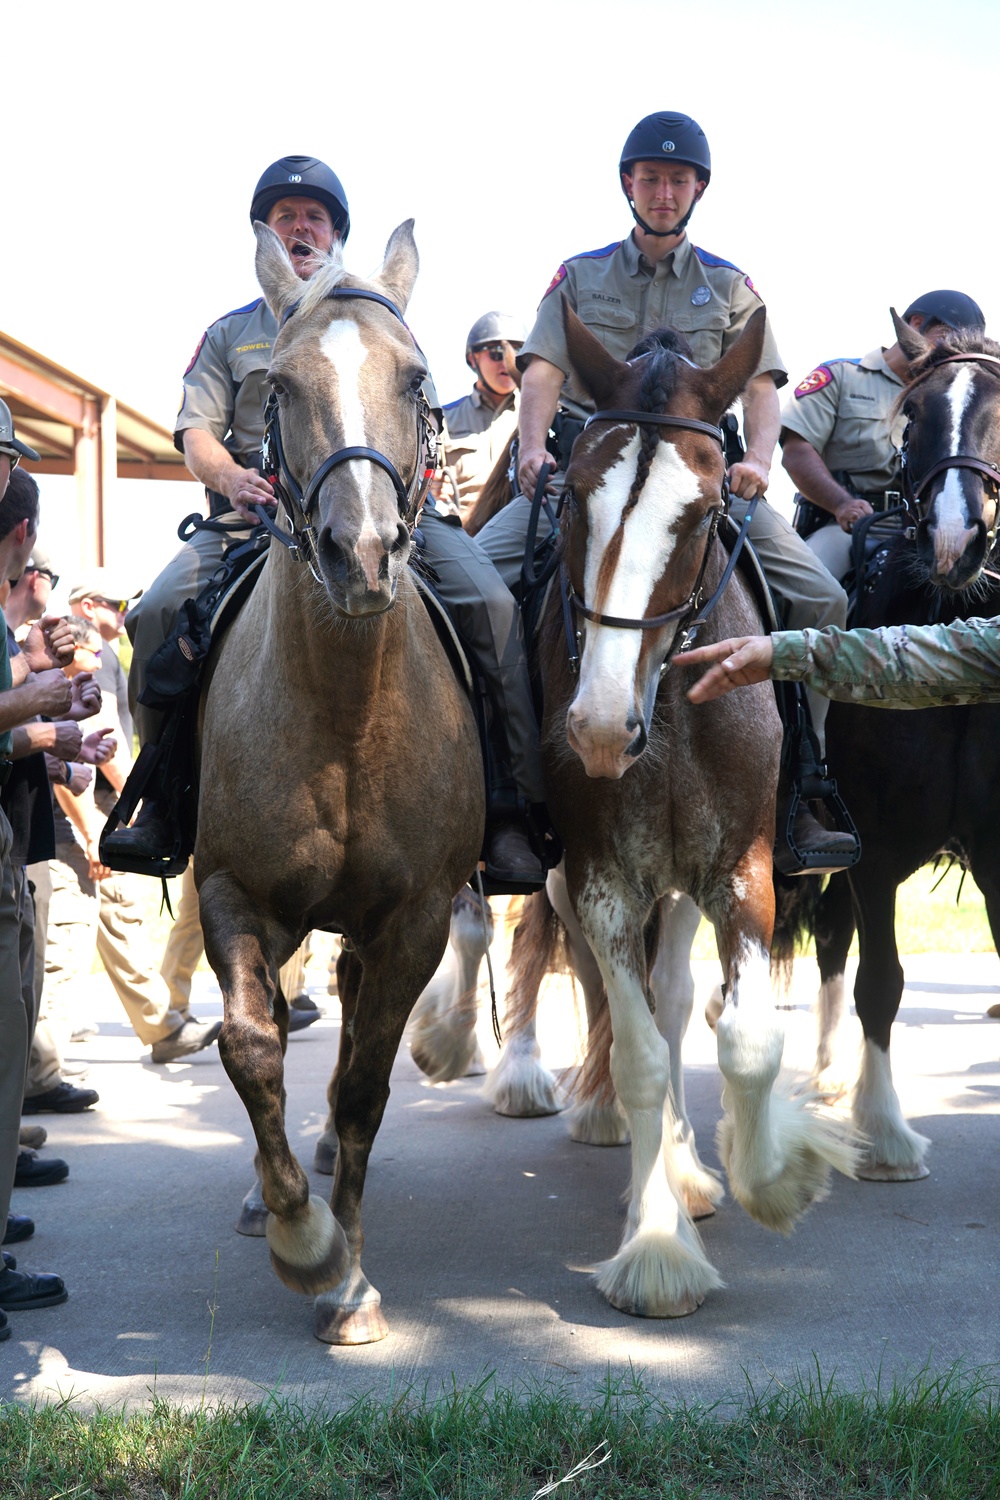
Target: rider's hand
739, 662
247, 487
748, 478
529, 463
850, 511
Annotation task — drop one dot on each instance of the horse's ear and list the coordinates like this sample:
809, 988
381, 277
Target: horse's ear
912, 342
401, 264
597, 370
275, 272
721, 383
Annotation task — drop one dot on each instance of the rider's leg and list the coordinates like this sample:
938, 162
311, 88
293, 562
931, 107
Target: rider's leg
488, 618
832, 545
814, 599
503, 538
149, 622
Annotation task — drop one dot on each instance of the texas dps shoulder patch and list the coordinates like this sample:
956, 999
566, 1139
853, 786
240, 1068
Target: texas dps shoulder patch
559, 276
814, 381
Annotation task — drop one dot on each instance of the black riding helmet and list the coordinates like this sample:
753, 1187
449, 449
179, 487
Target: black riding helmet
302, 177
666, 137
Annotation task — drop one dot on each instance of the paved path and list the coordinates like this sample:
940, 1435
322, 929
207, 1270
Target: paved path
480, 1230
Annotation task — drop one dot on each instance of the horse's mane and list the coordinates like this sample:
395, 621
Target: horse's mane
958, 341
660, 352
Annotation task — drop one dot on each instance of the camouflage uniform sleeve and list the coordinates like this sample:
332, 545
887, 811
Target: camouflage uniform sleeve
812, 411
209, 400
743, 301
901, 666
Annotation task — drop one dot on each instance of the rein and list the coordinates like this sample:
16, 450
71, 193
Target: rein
573, 604
301, 541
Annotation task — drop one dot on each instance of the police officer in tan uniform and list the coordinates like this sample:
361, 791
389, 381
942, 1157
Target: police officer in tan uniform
479, 425
623, 291
220, 428
840, 435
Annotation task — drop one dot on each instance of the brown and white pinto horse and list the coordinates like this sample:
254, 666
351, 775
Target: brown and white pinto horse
652, 795
331, 704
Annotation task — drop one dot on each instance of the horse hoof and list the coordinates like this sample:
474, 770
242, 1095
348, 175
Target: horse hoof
324, 1158
830, 1087
880, 1171
699, 1207
681, 1309
364, 1324
309, 1252
252, 1221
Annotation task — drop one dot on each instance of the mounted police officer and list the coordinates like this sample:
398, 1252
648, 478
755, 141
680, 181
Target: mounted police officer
479, 425
655, 277
840, 432
220, 429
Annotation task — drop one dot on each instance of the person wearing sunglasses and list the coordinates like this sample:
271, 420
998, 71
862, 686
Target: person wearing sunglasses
479, 425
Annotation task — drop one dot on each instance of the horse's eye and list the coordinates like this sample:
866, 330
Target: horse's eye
278, 389
417, 384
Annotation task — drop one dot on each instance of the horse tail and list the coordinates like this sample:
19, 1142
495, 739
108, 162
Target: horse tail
797, 906
495, 493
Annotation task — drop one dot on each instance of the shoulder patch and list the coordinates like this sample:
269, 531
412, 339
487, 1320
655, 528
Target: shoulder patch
754, 289
450, 405
557, 278
191, 361
814, 381
708, 259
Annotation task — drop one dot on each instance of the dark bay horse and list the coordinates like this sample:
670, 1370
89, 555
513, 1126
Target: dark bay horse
331, 707
651, 795
918, 782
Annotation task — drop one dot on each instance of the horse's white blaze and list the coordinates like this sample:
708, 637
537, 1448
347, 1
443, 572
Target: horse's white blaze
345, 349
607, 671
952, 509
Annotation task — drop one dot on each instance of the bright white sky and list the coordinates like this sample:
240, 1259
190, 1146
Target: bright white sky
854, 155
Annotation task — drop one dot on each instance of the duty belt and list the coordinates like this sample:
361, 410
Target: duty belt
6, 766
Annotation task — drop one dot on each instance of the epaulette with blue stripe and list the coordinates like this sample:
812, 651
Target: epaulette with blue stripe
560, 275
250, 307
708, 259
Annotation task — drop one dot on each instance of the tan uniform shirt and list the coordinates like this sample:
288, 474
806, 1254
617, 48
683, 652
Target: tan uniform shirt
622, 296
475, 435
224, 385
844, 410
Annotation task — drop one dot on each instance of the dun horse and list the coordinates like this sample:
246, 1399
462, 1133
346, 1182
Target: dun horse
652, 795
331, 706
918, 782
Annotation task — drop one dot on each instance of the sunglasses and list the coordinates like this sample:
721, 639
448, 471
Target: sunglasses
120, 606
495, 351
45, 573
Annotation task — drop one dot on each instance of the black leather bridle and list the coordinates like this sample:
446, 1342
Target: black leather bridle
299, 503
573, 604
914, 489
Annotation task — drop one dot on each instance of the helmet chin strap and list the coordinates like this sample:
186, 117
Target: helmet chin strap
665, 234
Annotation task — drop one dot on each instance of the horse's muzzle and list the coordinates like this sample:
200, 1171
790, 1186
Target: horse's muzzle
953, 555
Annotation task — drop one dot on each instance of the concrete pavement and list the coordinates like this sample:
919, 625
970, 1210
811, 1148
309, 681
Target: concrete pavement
480, 1230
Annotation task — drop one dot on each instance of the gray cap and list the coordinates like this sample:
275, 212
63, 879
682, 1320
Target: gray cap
953, 308
10, 444
492, 326
39, 559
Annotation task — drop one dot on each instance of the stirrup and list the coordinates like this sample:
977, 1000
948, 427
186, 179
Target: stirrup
802, 768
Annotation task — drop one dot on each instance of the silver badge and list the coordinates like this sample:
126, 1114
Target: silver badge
669, 146
701, 295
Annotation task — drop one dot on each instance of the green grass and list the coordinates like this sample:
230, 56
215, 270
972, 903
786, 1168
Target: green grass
927, 1439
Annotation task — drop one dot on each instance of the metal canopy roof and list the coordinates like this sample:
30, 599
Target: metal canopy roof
81, 430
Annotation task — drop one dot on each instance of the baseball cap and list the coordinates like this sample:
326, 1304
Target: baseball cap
10, 444
101, 583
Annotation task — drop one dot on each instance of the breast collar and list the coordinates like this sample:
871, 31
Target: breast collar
299, 504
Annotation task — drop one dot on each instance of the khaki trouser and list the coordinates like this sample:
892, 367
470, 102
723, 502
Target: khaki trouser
44, 1058
832, 545
185, 945
84, 915
14, 1018
813, 597
484, 612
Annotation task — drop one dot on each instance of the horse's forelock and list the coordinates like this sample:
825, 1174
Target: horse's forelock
958, 341
330, 274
